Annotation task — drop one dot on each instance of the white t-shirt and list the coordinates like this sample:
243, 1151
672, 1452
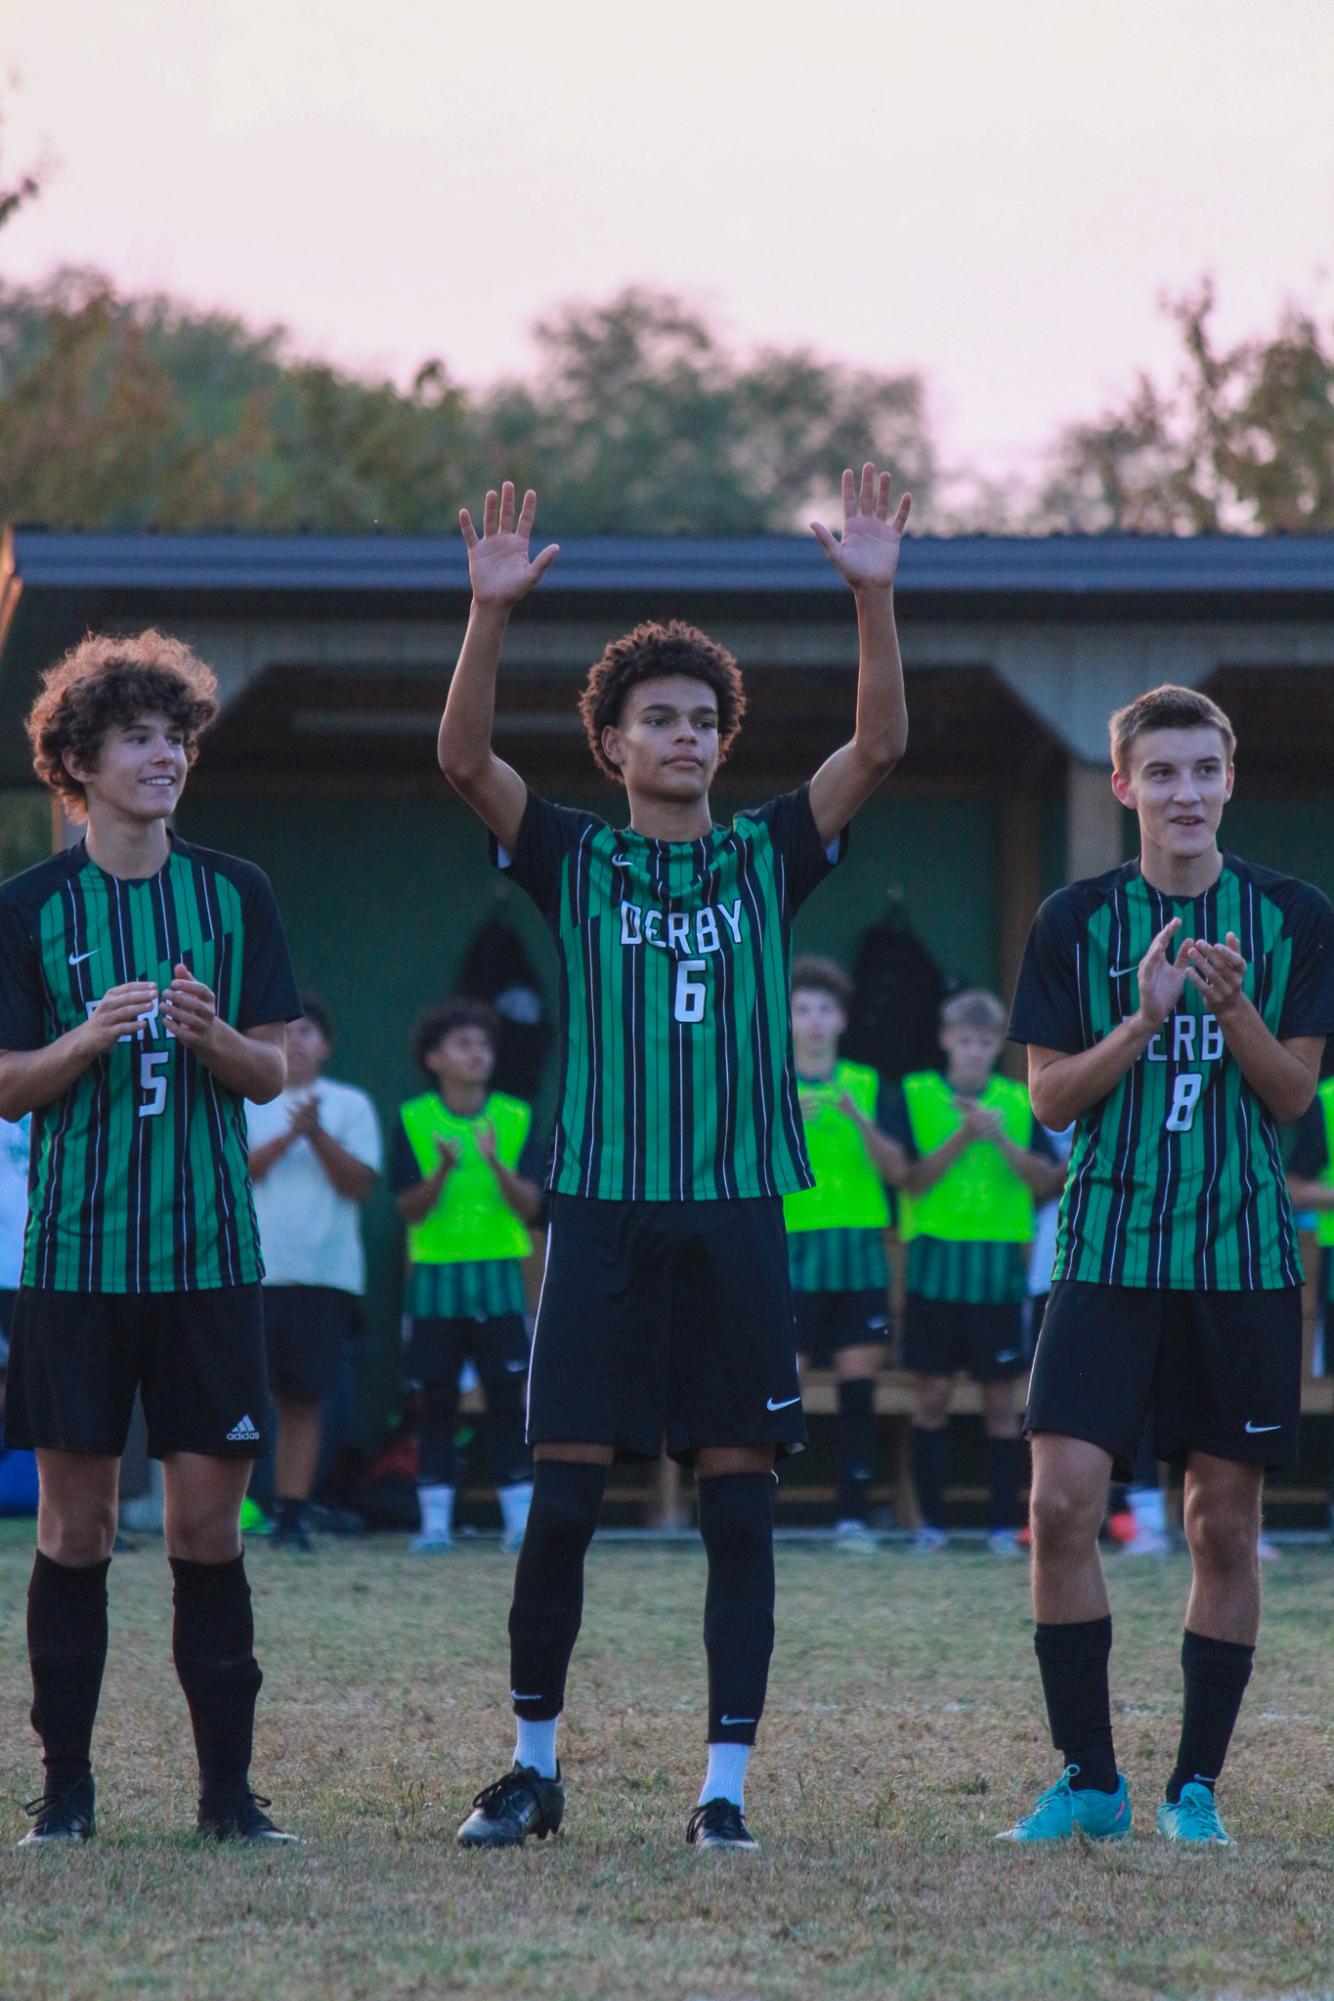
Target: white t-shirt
14, 1144
308, 1232
1043, 1254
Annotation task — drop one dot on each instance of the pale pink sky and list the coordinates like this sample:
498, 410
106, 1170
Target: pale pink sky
995, 191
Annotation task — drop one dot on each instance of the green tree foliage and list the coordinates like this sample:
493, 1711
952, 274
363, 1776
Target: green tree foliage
1243, 440
137, 413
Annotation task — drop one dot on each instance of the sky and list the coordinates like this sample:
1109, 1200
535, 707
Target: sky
996, 194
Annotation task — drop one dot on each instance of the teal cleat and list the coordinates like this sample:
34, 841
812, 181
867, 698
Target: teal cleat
1062, 1811
1194, 1817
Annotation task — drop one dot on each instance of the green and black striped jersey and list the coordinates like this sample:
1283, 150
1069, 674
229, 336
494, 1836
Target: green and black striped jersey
1176, 1179
837, 1261
140, 1177
676, 1080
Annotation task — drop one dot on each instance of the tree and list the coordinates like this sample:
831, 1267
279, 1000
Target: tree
16, 194
1243, 440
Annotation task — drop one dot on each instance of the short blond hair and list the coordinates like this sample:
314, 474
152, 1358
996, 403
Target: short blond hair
975, 1008
1167, 708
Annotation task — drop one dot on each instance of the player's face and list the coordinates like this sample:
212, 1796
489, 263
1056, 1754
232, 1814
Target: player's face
1178, 782
463, 1057
140, 771
307, 1051
666, 743
817, 1023
972, 1055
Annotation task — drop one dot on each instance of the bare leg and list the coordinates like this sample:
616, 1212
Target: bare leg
300, 1426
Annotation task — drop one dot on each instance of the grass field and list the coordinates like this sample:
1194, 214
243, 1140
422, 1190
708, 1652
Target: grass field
904, 1727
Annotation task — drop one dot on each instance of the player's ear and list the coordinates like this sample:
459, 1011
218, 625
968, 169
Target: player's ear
612, 748
1124, 787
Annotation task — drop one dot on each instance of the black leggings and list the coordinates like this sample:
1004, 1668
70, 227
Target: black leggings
498, 1350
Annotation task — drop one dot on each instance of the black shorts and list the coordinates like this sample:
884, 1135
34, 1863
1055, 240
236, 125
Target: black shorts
435, 1350
1220, 1371
666, 1321
197, 1358
941, 1336
307, 1328
828, 1321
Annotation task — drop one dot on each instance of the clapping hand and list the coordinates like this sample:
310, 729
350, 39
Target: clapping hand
867, 555
1216, 971
498, 564
189, 1008
1161, 979
979, 1123
304, 1118
447, 1151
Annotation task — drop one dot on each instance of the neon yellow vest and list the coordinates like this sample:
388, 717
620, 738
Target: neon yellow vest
848, 1192
981, 1199
1324, 1229
472, 1220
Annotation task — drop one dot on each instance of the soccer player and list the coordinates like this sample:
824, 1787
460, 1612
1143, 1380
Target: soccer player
666, 1308
144, 991
1176, 1009
978, 1163
314, 1158
466, 1169
1311, 1186
836, 1230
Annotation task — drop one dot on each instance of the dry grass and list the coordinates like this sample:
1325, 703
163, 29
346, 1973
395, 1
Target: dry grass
904, 1727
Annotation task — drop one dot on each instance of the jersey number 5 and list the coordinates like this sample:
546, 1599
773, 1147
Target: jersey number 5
152, 1083
1185, 1097
691, 994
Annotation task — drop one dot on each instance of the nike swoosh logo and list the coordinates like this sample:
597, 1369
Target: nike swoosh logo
516, 1697
77, 958
620, 861
1262, 1427
1121, 972
1010, 1355
780, 1406
727, 1721
516, 1368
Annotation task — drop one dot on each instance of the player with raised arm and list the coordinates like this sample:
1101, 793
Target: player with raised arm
145, 991
666, 1309
1175, 1009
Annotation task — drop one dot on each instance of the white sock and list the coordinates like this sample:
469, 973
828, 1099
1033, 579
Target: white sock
1149, 1507
437, 1506
535, 1745
515, 1502
726, 1776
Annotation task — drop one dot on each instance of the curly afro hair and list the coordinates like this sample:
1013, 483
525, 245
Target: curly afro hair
104, 684
650, 653
432, 1027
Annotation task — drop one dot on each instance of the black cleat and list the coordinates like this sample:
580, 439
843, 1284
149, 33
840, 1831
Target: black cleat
520, 1804
65, 1815
293, 1536
719, 1824
237, 1814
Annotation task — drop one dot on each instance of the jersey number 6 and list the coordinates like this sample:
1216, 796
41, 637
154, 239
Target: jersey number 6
688, 1004
1185, 1097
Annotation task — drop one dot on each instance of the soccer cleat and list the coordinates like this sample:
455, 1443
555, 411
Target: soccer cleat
1004, 1542
1062, 1811
506, 1813
292, 1536
65, 1815
234, 1813
929, 1541
1147, 1542
1193, 1817
430, 1545
855, 1535
719, 1824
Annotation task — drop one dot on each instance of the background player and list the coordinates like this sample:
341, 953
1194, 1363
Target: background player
314, 1158
1311, 1186
666, 1307
977, 1163
144, 991
467, 1169
836, 1230
1176, 1009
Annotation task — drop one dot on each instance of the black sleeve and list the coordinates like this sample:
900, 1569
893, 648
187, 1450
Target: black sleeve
895, 1123
547, 834
533, 1160
1308, 1004
1046, 1008
803, 859
1039, 1141
1310, 1151
268, 984
404, 1166
22, 1006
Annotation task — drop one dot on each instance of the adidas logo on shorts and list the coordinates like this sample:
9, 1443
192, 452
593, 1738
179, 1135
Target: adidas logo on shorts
243, 1433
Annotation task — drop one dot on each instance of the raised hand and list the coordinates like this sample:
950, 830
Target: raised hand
867, 555
1217, 971
498, 564
1161, 979
189, 1008
121, 1011
980, 1122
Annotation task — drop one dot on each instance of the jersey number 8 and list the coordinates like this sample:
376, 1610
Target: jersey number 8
1185, 1097
688, 1003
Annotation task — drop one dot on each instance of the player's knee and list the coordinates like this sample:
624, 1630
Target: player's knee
1221, 1534
1062, 1517
567, 1499
736, 1521
78, 1537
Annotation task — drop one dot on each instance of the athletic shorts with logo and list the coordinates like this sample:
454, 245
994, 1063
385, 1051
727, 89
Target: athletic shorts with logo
435, 1350
830, 1321
985, 1338
1220, 1372
306, 1330
76, 1360
666, 1321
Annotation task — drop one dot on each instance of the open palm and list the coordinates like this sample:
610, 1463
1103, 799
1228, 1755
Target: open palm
867, 553
498, 563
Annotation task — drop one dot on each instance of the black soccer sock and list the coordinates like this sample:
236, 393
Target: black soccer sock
289, 1510
1073, 1660
736, 1525
213, 1645
67, 1649
508, 1454
549, 1584
1216, 1673
856, 1449
927, 1452
438, 1463
1005, 1457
